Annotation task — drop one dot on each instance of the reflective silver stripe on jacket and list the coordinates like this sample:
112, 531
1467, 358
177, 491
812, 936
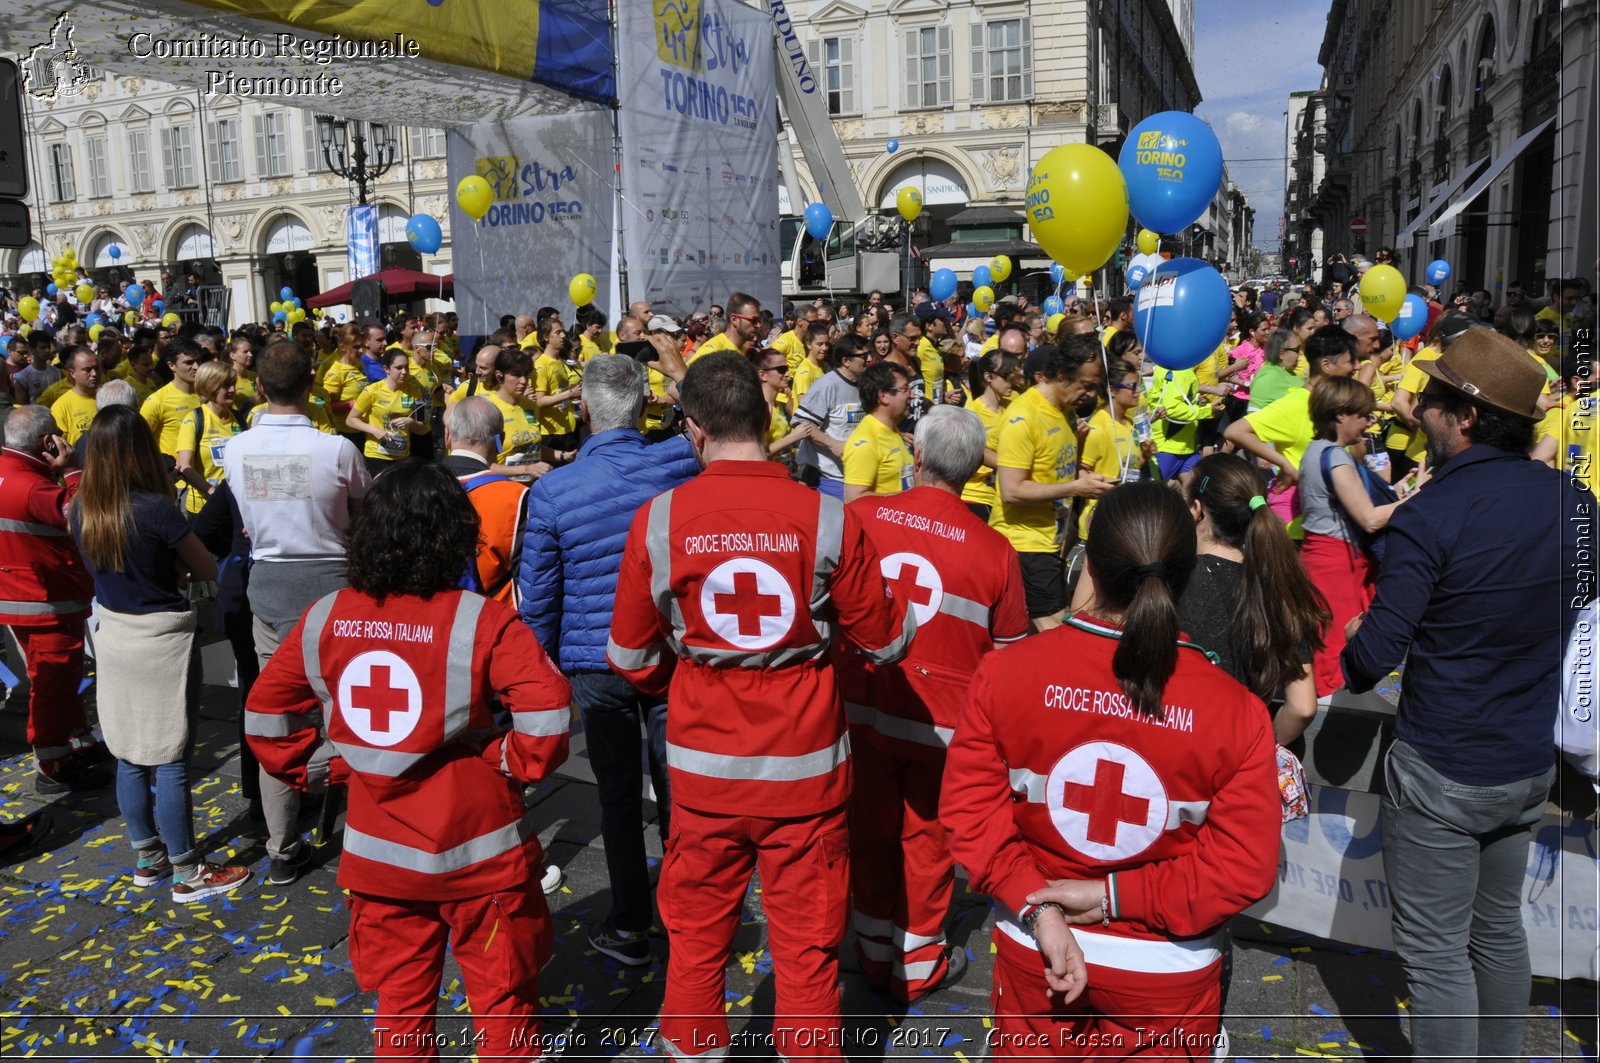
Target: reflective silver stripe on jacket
965, 609
458, 666
542, 723
1033, 785
901, 642
472, 851
658, 545
723, 658
762, 768
44, 608
311, 650
28, 527
634, 660
276, 724
923, 734
830, 542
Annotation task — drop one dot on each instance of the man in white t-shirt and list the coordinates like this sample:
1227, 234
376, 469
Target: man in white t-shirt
833, 405
296, 488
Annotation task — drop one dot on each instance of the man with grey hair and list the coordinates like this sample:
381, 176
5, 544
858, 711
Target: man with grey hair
470, 428
45, 592
571, 553
964, 581
115, 392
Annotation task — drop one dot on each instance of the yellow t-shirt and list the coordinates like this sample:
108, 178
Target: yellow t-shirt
551, 375
424, 375
1286, 424
49, 395
992, 343
208, 448
1038, 439
980, 489
1111, 450
793, 346
1414, 380
142, 389
932, 367
1205, 374
344, 382
656, 416
777, 428
315, 409
73, 412
587, 349
244, 389
379, 405
719, 342
521, 431
806, 374
164, 411
876, 457
1572, 425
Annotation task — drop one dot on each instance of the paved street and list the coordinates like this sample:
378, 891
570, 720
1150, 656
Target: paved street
91, 967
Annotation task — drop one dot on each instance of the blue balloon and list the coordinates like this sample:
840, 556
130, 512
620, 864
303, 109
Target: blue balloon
423, 233
1052, 305
893, 145
1173, 165
94, 318
115, 252
942, 285
50, 290
279, 317
981, 277
295, 302
819, 220
1412, 318
1182, 312
972, 310
1137, 272
1438, 271
285, 293
134, 294
1058, 273
157, 305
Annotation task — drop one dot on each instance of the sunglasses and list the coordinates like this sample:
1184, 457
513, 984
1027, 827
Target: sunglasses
746, 317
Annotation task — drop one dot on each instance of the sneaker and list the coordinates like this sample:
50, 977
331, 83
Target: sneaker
207, 880
284, 870
154, 865
74, 773
631, 949
552, 879
957, 957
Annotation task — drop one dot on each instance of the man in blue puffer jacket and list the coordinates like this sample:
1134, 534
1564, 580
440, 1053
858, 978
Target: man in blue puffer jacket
578, 518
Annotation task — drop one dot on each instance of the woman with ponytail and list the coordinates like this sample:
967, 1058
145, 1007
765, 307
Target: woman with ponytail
993, 379
1107, 775
1250, 601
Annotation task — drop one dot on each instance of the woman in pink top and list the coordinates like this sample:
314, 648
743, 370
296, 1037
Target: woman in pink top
1244, 361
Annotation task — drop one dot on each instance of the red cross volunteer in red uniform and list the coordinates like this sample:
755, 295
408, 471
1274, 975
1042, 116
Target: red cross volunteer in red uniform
964, 583
438, 844
1118, 762
731, 590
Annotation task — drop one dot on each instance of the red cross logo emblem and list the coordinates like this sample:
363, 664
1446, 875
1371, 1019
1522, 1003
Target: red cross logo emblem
748, 603
1107, 801
914, 579
380, 698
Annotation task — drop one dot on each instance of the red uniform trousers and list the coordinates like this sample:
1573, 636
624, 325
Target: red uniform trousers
54, 655
1347, 579
805, 880
1120, 1014
901, 874
500, 941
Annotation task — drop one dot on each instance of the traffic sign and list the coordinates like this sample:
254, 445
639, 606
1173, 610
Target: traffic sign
13, 154
1358, 227
14, 229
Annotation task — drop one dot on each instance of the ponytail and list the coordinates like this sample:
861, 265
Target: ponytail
1147, 653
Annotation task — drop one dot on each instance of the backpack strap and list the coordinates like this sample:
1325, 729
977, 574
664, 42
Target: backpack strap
479, 479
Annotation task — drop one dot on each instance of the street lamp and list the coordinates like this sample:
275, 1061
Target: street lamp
335, 136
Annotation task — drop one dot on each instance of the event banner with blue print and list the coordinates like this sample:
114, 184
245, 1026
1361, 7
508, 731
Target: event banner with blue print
699, 152
552, 177
563, 44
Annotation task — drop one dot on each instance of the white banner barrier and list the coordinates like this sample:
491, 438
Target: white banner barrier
1331, 883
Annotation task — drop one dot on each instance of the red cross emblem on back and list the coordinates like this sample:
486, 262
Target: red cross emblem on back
1107, 806
1106, 801
915, 579
379, 698
747, 604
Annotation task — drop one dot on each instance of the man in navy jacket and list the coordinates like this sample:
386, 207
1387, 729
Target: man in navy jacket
578, 518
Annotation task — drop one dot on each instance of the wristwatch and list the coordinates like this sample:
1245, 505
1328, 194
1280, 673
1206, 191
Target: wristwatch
1033, 915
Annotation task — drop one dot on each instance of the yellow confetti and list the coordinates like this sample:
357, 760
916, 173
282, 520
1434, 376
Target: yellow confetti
284, 1011
327, 1002
1272, 978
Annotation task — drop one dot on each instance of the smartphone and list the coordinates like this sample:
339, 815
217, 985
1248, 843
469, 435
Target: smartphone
640, 351
1142, 432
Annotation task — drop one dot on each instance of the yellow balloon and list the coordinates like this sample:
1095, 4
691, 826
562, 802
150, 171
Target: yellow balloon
908, 201
70, 255
1053, 322
983, 298
28, 307
1071, 275
296, 315
23, 330
275, 307
474, 196
999, 267
94, 332
581, 288
1383, 292
1148, 242
171, 320
130, 317
1078, 206
85, 293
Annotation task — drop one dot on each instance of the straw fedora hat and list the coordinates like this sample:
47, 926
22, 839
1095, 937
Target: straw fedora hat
1491, 370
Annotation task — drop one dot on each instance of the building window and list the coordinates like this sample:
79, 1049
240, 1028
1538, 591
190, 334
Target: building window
427, 143
1002, 61
62, 189
835, 58
177, 156
94, 151
272, 144
139, 175
928, 67
222, 151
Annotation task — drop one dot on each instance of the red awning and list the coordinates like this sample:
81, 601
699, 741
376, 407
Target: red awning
400, 285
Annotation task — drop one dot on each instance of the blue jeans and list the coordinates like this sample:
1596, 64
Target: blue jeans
172, 825
1456, 857
612, 711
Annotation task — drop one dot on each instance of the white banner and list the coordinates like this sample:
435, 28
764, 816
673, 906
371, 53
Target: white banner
699, 153
1331, 883
554, 197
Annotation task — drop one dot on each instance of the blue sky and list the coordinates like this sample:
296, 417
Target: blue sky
1249, 55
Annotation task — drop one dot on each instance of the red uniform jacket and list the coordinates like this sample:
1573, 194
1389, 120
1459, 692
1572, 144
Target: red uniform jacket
963, 581
42, 578
1052, 774
731, 589
405, 685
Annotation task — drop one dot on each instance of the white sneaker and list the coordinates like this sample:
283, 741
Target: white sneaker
552, 879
